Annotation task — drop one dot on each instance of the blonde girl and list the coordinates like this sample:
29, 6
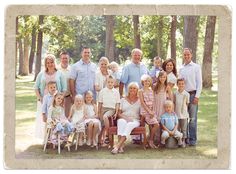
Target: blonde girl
146, 97
57, 120
77, 117
91, 120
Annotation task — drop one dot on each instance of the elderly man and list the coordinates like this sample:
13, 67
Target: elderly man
191, 73
133, 71
82, 75
64, 67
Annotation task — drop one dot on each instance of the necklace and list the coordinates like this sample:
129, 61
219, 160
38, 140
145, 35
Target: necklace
132, 101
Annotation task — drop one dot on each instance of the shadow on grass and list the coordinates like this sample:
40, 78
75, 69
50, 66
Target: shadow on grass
131, 152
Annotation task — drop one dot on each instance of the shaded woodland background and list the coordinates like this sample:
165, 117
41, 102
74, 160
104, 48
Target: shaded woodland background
115, 37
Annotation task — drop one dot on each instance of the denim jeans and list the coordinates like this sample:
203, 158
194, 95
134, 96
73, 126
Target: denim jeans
192, 126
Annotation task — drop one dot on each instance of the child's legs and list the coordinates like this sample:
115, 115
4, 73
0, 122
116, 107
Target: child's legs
90, 130
183, 124
95, 130
81, 135
164, 136
178, 135
106, 116
158, 134
106, 123
153, 130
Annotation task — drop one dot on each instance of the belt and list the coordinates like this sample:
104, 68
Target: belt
192, 92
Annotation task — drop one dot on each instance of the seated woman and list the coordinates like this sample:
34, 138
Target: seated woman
128, 116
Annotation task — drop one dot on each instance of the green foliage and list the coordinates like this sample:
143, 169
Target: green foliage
58, 34
124, 36
71, 33
155, 32
89, 31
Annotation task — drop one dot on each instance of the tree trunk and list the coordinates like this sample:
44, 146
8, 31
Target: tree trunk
137, 40
39, 47
208, 47
173, 37
16, 46
109, 51
25, 68
159, 38
191, 34
32, 51
21, 56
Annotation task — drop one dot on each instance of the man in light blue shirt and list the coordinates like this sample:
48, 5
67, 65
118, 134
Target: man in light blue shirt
82, 74
133, 71
192, 75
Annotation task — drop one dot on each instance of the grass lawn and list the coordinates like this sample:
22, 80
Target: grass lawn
27, 146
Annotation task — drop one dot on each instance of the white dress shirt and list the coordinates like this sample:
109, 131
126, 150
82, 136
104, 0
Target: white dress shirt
192, 75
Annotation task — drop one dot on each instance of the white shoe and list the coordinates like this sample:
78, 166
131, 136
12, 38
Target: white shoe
88, 143
180, 142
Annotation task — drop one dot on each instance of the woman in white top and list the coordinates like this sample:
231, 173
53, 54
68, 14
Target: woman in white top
128, 115
169, 67
101, 75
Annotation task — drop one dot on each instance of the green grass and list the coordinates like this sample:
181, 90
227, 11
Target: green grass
27, 148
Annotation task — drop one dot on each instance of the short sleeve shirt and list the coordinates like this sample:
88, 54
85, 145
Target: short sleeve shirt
169, 120
84, 76
109, 97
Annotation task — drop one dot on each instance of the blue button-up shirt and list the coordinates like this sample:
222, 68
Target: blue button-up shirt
47, 101
132, 73
84, 76
169, 120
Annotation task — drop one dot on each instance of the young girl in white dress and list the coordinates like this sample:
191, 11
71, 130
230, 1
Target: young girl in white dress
77, 116
57, 120
91, 120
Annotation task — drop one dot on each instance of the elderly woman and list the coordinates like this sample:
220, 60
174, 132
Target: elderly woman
49, 74
169, 67
128, 116
102, 73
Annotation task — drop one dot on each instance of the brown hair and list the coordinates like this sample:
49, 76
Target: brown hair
180, 80
54, 99
157, 86
174, 65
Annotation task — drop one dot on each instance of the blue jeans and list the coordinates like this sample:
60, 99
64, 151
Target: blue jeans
192, 126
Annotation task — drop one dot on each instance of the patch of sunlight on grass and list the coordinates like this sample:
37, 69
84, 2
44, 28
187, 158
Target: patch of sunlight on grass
210, 152
201, 121
24, 114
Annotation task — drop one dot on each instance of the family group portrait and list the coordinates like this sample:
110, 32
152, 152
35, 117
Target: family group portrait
116, 87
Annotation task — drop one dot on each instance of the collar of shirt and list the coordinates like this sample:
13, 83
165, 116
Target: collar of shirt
109, 89
191, 63
180, 92
83, 63
137, 65
64, 69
